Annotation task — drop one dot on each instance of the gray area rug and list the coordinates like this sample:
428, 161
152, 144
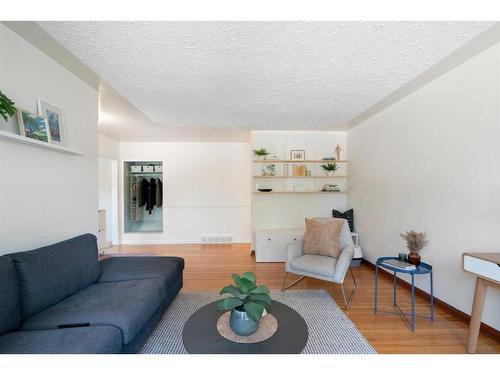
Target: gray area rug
330, 330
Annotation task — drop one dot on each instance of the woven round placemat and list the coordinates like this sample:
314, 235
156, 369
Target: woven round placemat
267, 328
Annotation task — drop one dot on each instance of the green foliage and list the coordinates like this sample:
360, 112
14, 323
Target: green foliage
261, 152
7, 108
330, 167
246, 293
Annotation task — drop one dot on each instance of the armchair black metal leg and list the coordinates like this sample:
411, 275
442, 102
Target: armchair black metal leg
283, 288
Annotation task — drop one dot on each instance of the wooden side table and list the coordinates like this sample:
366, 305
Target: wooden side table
486, 266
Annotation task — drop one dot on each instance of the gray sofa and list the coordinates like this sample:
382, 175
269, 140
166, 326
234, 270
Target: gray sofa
61, 299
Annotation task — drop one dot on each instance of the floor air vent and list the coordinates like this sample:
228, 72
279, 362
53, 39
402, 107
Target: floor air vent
207, 239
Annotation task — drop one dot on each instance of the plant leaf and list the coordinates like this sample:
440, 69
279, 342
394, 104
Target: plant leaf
229, 303
231, 289
249, 276
263, 298
246, 286
237, 280
254, 310
261, 289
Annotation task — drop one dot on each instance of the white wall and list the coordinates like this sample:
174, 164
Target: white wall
276, 211
45, 196
108, 148
108, 197
431, 163
206, 190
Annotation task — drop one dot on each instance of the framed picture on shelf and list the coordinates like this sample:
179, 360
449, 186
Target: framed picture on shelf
33, 126
297, 155
55, 121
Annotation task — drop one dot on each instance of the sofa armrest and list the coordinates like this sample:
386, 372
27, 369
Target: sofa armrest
343, 263
293, 250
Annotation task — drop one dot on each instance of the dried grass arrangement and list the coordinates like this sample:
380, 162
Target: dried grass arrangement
414, 241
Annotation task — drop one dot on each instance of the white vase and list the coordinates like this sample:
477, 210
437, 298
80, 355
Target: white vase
329, 173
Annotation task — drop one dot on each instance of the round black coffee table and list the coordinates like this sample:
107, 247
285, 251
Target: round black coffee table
200, 334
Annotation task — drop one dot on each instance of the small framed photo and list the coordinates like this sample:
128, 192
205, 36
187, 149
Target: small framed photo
297, 155
33, 126
55, 121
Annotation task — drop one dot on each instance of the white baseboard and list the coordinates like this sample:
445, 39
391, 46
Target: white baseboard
159, 242
169, 242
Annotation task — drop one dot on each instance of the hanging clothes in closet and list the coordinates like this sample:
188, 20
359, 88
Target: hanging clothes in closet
159, 193
151, 194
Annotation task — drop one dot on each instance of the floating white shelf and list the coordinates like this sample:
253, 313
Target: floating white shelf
299, 176
299, 192
33, 142
270, 161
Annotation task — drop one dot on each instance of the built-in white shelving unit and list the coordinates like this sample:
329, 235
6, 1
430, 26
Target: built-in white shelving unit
296, 185
283, 170
33, 142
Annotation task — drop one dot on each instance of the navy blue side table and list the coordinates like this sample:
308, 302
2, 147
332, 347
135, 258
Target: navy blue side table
423, 268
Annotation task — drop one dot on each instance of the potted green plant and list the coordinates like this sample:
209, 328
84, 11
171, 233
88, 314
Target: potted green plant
261, 153
247, 303
7, 107
330, 168
415, 242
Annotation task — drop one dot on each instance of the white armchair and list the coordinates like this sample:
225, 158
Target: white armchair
320, 266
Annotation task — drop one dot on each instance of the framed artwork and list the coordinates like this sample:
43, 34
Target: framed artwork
297, 155
33, 126
55, 121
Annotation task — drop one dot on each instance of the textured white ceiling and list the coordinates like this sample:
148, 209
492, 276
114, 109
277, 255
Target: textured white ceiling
276, 75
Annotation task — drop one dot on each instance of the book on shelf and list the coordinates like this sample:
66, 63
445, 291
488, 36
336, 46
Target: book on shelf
299, 170
396, 263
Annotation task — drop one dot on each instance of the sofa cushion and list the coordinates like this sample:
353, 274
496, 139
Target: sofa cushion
10, 312
52, 273
126, 305
85, 340
315, 264
167, 269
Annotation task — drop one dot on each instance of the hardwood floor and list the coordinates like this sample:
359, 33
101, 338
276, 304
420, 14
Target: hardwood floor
209, 268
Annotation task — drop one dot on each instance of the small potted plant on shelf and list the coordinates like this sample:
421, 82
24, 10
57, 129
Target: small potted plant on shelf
247, 303
7, 107
415, 242
261, 153
330, 168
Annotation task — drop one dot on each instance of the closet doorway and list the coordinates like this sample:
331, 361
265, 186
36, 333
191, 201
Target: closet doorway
108, 200
143, 196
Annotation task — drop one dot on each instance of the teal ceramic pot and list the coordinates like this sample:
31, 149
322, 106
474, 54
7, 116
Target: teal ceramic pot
241, 323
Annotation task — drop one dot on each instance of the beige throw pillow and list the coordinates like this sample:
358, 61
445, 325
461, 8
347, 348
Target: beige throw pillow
322, 238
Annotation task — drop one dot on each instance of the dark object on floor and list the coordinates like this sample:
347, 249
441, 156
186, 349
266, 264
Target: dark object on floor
348, 215
265, 190
61, 299
290, 338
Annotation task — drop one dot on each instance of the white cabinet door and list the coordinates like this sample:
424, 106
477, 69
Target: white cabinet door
270, 246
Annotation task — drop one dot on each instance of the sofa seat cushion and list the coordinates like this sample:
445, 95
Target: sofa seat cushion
126, 305
10, 309
167, 269
49, 274
315, 264
85, 340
